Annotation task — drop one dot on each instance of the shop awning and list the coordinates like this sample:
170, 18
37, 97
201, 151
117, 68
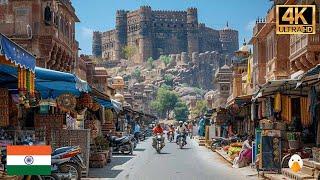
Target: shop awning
310, 77
16, 54
269, 88
54, 83
105, 103
240, 100
8, 76
116, 105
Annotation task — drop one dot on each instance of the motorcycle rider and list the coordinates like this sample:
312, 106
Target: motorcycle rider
181, 130
157, 130
171, 129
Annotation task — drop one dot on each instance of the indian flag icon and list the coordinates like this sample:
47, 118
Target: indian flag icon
29, 160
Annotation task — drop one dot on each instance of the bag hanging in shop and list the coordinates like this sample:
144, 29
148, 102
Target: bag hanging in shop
286, 108
305, 115
277, 102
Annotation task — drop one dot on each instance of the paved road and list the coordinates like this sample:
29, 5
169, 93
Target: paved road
191, 163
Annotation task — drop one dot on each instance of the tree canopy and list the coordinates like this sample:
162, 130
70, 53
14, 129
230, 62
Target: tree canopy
150, 63
201, 108
181, 111
137, 74
129, 51
165, 102
168, 78
165, 59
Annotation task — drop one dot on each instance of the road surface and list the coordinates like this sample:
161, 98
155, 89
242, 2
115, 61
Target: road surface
191, 163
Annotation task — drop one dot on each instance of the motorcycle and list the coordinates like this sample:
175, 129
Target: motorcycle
123, 144
133, 140
142, 136
159, 145
67, 162
170, 136
181, 141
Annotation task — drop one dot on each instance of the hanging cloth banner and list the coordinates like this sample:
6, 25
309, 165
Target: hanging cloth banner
16, 54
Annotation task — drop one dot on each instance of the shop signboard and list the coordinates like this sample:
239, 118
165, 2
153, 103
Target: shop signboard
270, 150
257, 144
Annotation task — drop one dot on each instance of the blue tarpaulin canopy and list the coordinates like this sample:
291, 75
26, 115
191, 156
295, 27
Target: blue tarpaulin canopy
8, 76
16, 54
105, 103
54, 83
48, 82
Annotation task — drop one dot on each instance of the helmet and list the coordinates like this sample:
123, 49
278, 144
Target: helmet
185, 123
180, 122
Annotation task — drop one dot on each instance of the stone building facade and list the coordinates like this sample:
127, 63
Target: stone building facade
153, 33
46, 28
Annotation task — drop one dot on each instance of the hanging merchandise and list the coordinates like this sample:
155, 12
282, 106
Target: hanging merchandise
263, 108
305, 115
286, 108
253, 111
277, 102
313, 99
109, 115
260, 111
67, 102
268, 107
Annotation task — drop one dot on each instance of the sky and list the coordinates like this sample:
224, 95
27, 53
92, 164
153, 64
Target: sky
99, 15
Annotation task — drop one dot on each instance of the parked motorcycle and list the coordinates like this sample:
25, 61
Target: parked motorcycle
123, 144
133, 140
170, 136
159, 145
181, 141
67, 162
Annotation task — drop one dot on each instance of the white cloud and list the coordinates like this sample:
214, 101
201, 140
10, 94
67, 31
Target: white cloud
86, 32
250, 25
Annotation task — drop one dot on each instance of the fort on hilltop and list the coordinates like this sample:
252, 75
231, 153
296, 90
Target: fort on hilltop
154, 33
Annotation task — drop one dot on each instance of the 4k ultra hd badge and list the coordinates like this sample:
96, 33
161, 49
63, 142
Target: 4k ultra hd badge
296, 19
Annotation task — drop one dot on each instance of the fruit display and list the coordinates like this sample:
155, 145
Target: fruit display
234, 150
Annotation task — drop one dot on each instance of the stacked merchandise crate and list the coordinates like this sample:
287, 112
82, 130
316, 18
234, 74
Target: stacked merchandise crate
4, 107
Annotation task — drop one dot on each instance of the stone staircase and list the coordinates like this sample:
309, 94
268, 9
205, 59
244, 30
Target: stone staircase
200, 140
309, 171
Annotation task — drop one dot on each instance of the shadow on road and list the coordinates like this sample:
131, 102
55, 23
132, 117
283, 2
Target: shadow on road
108, 171
139, 149
187, 148
163, 153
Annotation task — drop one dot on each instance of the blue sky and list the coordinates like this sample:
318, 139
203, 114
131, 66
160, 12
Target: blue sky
100, 14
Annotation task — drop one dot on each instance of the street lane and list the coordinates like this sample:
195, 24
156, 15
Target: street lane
191, 163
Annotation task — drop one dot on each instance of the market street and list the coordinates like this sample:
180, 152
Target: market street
191, 163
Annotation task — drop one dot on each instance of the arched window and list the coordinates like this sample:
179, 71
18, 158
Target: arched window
47, 15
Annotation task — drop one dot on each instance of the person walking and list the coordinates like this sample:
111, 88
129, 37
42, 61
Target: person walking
137, 131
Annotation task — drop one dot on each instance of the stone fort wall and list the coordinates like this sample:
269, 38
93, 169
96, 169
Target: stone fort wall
155, 32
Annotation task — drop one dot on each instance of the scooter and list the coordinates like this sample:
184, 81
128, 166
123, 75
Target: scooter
123, 144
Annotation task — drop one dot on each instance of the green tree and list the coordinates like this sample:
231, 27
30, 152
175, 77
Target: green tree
150, 63
129, 51
136, 74
181, 111
201, 108
165, 59
165, 102
168, 78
